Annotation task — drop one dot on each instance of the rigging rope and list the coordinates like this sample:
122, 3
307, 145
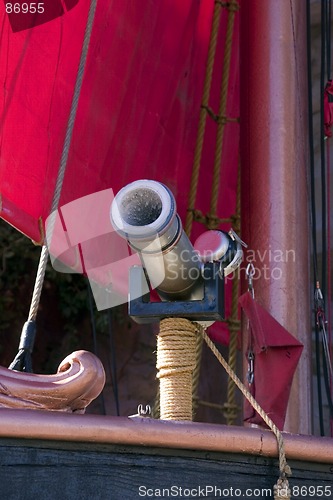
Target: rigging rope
202, 118
211, 220
231, 409
213, 223
112, 362
176, 361
94, 335
22, 361
282, 484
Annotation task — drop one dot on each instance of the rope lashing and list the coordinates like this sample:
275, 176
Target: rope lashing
176, 360
282, 486
59, 183
218, 118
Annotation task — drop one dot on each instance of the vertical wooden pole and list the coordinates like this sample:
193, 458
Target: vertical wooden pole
274, 158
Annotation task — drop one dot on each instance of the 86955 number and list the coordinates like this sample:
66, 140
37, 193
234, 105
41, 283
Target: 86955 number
25, 8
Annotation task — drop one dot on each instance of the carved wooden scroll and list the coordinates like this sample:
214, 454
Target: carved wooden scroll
79, 380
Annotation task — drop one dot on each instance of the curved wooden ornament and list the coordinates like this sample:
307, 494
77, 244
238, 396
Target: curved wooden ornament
79, 380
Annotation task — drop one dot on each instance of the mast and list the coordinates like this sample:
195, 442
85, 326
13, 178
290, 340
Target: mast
274, 158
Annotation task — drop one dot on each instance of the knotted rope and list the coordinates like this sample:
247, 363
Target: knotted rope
176, 360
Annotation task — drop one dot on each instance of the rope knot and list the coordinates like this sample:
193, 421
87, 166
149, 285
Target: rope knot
233, 324
213, 221
231, 6
281, 489
230, 411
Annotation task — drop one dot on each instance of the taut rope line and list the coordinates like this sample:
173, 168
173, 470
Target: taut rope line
285, 470
26, 344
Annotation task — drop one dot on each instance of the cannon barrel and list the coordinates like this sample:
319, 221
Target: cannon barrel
145, 214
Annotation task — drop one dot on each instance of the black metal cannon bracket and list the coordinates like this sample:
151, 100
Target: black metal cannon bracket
209, 308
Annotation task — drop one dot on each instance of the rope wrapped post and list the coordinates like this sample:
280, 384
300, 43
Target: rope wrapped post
176, 361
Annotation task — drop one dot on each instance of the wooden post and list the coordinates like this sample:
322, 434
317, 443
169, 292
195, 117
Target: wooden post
274, 158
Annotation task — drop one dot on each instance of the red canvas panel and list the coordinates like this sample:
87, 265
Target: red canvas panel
138, 109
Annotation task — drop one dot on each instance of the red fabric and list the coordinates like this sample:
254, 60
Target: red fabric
276, 356
138, 110
328, 108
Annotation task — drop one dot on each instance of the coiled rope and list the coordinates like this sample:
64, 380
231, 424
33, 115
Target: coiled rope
22, 361
176, 360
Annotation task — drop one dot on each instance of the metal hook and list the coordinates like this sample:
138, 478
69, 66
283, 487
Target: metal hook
250, 371
250, 272
142, 412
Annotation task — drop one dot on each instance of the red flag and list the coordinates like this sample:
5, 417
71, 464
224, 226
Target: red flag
276, 354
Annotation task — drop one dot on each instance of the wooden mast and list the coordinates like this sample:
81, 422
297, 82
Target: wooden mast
274, 158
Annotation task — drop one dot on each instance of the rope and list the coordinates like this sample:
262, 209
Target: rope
156, 411
176, 357
38, 284
283, 466
231, 408
196, 372
211, 219
202, 118
222, 112
19, 362
281, 489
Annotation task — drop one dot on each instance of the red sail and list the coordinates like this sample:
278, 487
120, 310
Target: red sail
138, 108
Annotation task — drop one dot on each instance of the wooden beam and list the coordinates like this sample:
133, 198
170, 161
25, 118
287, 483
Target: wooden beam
274, 158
